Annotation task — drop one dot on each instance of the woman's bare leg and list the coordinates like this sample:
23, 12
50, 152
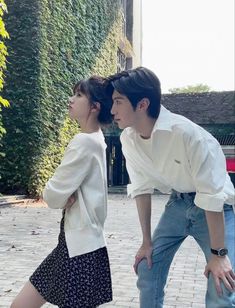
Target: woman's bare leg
28, 298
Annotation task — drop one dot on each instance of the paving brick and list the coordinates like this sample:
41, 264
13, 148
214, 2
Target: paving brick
29, 233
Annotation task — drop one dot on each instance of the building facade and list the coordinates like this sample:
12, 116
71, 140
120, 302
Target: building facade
129, 55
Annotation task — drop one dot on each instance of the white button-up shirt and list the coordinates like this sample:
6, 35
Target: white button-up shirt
180, 155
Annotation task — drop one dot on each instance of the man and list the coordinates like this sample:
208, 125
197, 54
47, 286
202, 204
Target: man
168, 152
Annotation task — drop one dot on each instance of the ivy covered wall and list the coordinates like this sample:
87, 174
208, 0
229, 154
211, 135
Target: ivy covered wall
53, 44
3, 59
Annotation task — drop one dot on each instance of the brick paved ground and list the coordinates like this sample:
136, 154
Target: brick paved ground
29, 232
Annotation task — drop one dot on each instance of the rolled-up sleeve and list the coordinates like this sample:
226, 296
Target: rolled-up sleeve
69, 174
140, 184
208, 167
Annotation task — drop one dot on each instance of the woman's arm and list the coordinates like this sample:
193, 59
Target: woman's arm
69, 175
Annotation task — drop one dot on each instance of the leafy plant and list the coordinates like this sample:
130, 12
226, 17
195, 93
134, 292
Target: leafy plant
198, 88
53, 45
3, 54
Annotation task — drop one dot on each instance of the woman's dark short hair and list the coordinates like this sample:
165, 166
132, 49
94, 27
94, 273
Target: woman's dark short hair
94, 89
137, 84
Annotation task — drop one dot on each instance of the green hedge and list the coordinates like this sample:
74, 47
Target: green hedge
3, 54
53, 44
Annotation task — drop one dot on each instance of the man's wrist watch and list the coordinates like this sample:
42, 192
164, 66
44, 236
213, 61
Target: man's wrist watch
220, 252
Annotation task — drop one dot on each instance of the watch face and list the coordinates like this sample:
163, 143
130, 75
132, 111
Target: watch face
223, 252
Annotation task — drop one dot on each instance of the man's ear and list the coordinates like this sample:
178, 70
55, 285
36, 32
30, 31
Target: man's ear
143, 104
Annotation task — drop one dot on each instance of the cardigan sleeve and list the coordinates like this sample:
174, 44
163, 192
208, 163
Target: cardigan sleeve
69, 175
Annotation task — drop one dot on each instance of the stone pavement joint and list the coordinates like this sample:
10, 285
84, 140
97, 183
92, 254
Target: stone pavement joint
28, 233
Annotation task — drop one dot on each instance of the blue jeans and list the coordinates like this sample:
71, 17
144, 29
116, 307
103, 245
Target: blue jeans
180, 219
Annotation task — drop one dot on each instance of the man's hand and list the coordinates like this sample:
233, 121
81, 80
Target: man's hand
71, 200
145, 252
221, 270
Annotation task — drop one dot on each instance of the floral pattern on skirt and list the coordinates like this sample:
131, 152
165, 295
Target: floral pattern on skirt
80, 282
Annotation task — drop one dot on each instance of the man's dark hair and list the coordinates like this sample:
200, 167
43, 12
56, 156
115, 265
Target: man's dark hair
94, 89
137, 84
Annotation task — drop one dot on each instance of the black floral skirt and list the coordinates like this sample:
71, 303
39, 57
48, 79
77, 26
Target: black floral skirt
80, 282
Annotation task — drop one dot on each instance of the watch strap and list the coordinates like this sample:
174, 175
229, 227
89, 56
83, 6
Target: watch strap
220, 252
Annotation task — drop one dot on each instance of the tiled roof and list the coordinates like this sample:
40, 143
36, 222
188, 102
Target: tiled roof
203, 108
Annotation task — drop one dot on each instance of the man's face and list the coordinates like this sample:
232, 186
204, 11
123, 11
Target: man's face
122, 110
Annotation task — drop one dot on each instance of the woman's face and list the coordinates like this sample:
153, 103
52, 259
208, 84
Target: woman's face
79, 106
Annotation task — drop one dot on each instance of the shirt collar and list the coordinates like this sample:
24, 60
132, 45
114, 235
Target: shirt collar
163, 122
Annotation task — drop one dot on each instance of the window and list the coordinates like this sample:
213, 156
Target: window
121, 61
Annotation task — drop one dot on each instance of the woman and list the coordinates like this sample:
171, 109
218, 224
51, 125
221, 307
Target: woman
77, 273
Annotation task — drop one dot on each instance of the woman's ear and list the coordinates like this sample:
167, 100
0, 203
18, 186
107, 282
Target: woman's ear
143, 104
95, 106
